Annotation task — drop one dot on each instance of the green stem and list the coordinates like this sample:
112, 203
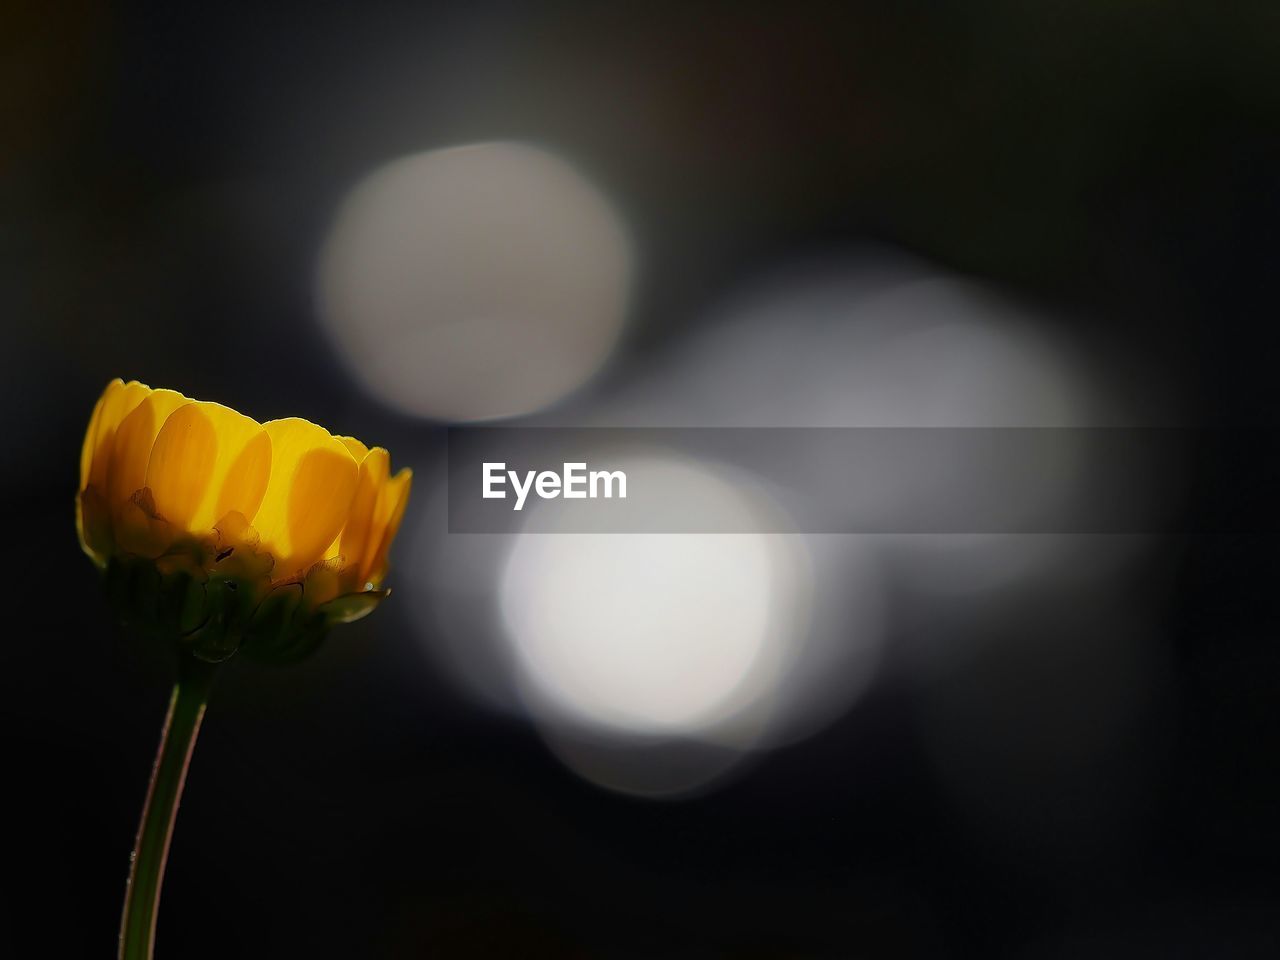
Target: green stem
177, 740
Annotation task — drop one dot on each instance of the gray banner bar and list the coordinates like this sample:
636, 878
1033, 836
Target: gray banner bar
862, 480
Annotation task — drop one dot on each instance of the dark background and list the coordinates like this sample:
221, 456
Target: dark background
166, 172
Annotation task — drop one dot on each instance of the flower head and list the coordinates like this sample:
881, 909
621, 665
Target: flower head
228, 534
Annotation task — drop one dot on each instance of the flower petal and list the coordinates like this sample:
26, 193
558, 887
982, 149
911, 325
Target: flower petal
118, 401
386, 522
91, 433
131, 448
313, 479
245, 482
182, 460
359, 531
239, 475
358, 449
93, 523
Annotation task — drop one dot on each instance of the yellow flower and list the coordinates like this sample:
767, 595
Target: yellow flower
227, 533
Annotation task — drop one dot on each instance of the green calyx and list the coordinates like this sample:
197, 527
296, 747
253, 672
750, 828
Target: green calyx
215, 615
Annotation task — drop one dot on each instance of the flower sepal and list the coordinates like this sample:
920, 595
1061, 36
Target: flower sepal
283, 628
214, 617
352, 606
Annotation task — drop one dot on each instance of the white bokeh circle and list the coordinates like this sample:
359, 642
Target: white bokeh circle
475, 282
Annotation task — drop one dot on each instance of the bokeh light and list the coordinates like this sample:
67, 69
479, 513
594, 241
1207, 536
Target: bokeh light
878, 338
870, 338
475, 282
581, 610
607, 640
653, 633
655, 664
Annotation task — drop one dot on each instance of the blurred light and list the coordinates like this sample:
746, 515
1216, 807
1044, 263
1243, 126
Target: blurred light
876, 338
873, 339
681, 733
475, 282
650, 767
653, 633
655, 664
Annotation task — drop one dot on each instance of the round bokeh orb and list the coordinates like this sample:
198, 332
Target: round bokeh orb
475, 282
658, 634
